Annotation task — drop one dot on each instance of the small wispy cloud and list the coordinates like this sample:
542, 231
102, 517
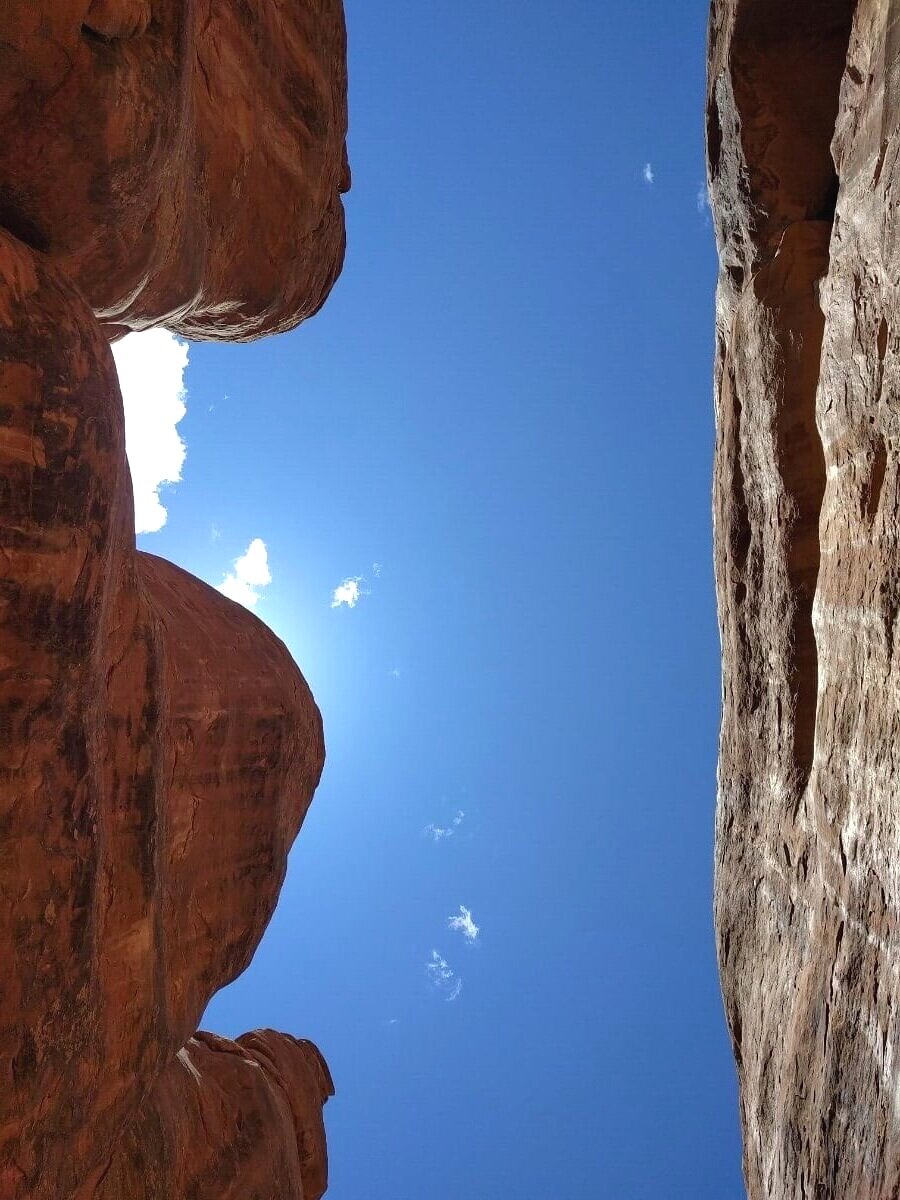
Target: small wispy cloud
647, 173
438, 969
350, 592
465, 924
376, 569
394, 672
151, 367
702, 200
442, 977
248, 576
438, 833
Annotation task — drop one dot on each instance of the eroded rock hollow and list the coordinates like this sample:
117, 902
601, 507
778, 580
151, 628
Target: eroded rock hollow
177, 162
803, 114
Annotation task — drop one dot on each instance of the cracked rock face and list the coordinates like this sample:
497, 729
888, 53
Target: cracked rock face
803, 139
150, 784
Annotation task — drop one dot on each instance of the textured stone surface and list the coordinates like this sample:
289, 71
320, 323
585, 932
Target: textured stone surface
174, 161
804, 107
181, 160
150, 784
229, 1121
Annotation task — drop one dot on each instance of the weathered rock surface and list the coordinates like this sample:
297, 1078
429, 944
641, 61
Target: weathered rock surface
151, 782
228, 1120
180, 160
803, 140
174, 161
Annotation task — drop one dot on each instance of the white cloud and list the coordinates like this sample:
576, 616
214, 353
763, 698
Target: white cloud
438, 833
442, 977
151, 368
438, 971
376, 569
349, 592
647, 173
465, 924
702, 199
250, 574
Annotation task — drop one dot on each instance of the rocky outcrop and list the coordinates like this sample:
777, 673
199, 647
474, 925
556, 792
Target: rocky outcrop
803, 114
228, 1120
180, 160
158, 746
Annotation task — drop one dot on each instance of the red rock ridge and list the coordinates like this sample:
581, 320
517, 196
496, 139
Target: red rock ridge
158, 746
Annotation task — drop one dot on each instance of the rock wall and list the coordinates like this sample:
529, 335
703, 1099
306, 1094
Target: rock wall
802, 134
178, 162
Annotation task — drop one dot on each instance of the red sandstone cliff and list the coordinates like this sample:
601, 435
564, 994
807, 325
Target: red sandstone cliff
179, 161
803, 110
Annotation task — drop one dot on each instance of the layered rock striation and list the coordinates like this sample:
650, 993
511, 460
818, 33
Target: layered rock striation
802, 134
177, 162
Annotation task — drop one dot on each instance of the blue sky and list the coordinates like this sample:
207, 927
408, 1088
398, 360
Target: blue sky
505, 405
